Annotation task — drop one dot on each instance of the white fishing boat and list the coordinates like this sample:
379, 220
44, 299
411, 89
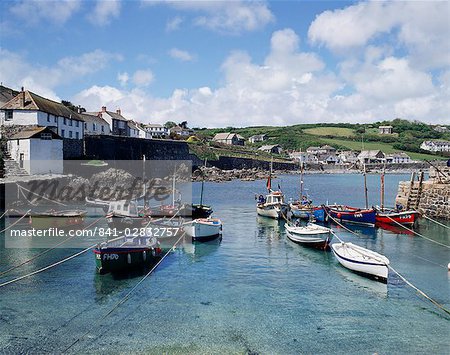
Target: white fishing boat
272, 205
311, 235
361, 260
203, 229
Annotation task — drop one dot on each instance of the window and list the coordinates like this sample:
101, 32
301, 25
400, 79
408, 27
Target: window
103, 128
94, 127
77, 135
48, 117
8, 115
85, 125
70, 134
65, 121
63, 133
70, 122
56, 119
77, 123
46, 136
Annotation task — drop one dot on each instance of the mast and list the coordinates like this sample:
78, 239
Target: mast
301, 180
203, 183
382, 188
365, 187
143, 180
173, 186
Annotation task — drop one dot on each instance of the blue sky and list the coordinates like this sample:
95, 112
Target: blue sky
241, 63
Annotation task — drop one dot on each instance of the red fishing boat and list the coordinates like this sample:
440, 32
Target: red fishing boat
395, 217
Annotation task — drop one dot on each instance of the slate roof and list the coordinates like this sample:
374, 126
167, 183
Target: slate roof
38, 103
34, 132
93, 118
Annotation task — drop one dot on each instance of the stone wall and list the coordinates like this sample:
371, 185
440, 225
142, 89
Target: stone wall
72, 148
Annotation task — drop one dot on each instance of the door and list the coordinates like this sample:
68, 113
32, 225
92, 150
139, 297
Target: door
21, 159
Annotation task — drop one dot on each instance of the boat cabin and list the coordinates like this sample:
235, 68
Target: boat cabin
124, 207
275, 197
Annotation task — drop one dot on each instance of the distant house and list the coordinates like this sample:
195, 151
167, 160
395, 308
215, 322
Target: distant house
258, 138
157, 130
331, 159
304, 157
371, 156
229, 138
313, 150
181, 131
348, 157
95, 125
436, 146
441, 129
398, 158
271, 149
38, 150
142, 131
133, 129
325, 149
29, 109
385, 129
118, 124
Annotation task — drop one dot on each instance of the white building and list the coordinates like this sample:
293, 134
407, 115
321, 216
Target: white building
436, 146
271, 149
348, 157
398, 158
95, 125
229, 138
38, 150
258, 138
118, 124
143, 133
157, 130
385, 129
183, 132
29, 109
133, 129
304, 157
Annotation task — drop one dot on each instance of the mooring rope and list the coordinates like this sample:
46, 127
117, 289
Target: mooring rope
47, 267
45, 251
45, 198
437, 304
340, 224
4, 213
432, 220
127, 296
420, 235
12, 225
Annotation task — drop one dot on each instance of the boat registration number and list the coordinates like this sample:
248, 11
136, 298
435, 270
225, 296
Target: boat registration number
358, 215
110, 256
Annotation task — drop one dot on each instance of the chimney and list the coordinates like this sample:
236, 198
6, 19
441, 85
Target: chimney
103, 108
118, 111
23, 97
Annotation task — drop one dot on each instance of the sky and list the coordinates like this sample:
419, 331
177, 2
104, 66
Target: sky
234, 63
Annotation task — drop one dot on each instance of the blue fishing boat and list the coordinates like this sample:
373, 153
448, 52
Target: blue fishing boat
346, 214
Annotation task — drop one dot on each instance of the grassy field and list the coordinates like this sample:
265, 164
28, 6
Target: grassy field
384, 147
330, 131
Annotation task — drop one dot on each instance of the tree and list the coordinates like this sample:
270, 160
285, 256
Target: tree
170, 124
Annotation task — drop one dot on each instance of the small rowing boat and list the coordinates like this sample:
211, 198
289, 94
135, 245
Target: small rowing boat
362, 261
126, 253
203, 229
311, 235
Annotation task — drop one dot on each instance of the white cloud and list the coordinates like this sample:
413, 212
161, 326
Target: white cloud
174, 24
225, 16
104, 12
423, 28
123, 78
143, 77
34, 11
182, 55
16, 71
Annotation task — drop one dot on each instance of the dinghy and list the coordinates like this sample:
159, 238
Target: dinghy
203, 229
311, 235
361, 260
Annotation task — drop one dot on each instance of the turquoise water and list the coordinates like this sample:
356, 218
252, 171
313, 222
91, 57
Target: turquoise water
253, 292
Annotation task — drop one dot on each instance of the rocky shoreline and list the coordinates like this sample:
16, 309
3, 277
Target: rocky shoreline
213, 174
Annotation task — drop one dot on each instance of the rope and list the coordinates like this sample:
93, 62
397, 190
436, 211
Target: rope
45, 198
12, 225
432, 220
437, 304
45, 251
127, 296
340, 224
420, 235
3, 215
47, 267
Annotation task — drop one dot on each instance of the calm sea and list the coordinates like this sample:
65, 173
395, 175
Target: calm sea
253, 292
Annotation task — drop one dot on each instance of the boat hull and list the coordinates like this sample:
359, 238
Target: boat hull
68, 219
123, 222
272, 211
206, 230
123, 259
408, 218
302, 213
370, 268
353, 215
319, 239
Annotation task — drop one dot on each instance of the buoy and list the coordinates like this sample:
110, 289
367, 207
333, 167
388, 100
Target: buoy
339, 215
448, 266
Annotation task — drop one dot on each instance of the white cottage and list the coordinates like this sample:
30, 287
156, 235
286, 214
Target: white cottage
38, 150
29, 109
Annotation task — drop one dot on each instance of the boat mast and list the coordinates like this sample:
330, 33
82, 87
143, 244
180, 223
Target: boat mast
382, 188
173, 186
143, 180
365, 187
301, 180
203, 183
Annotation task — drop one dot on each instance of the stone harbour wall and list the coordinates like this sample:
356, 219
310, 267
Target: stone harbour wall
435, 200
